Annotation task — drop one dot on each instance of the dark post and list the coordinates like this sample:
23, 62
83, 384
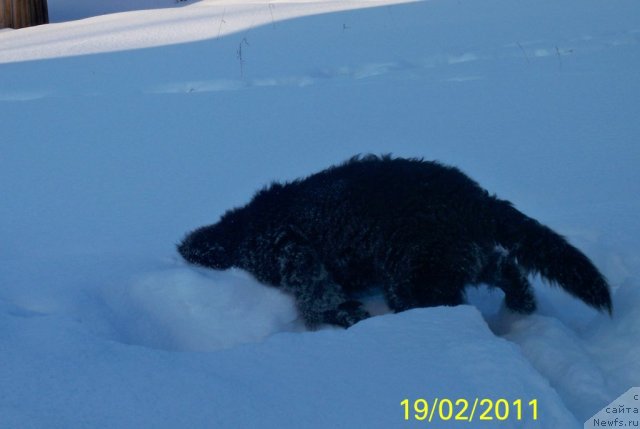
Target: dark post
23, 13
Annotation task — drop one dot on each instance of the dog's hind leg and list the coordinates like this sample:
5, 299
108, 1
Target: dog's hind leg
503, 271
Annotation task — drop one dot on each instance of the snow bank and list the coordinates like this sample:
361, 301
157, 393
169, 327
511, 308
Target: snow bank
135, 29
190, 310
331, 378
67, 10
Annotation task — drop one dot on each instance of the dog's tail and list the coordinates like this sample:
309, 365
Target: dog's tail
540, 250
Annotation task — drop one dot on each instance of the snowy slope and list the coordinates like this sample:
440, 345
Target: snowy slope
122, 132
167, 25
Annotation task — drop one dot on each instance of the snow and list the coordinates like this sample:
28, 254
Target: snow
203, 20
122, 132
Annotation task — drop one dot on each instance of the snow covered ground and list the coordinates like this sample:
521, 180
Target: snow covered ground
122, 132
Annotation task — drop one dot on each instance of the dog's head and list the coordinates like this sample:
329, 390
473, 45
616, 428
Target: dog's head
210, 246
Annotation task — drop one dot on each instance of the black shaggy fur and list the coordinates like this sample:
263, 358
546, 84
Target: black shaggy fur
421, 230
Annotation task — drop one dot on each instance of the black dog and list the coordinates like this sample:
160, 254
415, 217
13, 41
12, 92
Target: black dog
420, 230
